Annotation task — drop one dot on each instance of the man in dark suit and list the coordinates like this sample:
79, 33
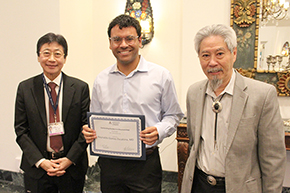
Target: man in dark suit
48, 168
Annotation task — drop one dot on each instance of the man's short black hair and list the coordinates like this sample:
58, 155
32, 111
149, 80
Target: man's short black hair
49, 38
125, 21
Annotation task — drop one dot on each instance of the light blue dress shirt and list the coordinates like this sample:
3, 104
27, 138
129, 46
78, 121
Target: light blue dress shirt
148, 90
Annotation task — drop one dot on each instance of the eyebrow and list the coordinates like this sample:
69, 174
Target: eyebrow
219, 49
53, 50
123, 37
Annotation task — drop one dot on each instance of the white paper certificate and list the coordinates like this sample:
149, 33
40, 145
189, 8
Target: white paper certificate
117, 135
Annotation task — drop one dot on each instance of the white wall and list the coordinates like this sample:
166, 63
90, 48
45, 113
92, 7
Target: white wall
84, 24
196, 15
22, 23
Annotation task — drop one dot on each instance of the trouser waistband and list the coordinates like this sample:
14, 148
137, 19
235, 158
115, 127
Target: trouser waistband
210, 179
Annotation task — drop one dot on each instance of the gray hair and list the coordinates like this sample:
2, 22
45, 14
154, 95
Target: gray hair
224, 31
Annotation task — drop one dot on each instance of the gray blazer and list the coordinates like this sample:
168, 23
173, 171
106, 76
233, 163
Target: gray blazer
255, 150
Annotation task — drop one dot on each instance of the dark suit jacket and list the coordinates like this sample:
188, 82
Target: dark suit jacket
31, 124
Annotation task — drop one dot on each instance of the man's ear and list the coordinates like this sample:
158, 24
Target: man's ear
235, 54
140, 41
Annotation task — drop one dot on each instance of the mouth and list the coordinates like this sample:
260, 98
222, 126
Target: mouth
125, 52
51, 66
214, 71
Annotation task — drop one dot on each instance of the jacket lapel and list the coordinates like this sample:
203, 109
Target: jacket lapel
238, 104
199, 112
68, 94
38, 96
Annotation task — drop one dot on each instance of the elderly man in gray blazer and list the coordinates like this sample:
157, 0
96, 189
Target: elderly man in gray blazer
234, 124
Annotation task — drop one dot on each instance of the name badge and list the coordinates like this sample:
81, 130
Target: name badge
56, 128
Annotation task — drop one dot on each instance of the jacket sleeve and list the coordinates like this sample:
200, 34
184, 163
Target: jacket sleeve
22, 127
271, 144
79, 146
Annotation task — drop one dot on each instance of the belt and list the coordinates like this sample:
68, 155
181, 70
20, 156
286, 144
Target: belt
150, 150
55, 155
212, 180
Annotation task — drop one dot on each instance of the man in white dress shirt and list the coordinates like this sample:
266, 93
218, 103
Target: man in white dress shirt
134, 86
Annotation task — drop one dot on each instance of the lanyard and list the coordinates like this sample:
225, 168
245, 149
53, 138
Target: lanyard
54, 106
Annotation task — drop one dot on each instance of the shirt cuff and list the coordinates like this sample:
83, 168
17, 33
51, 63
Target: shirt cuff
39, 162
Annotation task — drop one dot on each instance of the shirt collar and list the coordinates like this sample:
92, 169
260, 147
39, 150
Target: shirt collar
56, 80
229, 88
141, 67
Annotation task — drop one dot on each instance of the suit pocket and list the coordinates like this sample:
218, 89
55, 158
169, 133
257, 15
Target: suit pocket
252, 186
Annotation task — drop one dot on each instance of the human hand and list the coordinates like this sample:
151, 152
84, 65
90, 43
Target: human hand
149, 135
51, 168
61, 165
46, 164
89, 134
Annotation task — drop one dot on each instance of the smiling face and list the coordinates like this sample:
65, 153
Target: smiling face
127, 55
217, 60
51, 65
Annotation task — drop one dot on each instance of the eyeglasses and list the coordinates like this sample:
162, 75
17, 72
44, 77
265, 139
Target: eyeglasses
129, 40
56, 54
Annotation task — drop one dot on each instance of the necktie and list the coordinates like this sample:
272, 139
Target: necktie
55, 141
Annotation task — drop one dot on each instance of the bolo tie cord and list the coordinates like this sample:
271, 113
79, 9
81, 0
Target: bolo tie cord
216, 107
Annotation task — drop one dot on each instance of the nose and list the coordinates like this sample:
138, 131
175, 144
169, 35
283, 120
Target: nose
51, 57
123, 43
213, 61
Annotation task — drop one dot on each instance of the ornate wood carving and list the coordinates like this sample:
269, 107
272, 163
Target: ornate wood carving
244, 12
248, 73
245, 20
182, 151
283, 84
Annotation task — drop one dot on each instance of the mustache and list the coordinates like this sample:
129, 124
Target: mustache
213, 70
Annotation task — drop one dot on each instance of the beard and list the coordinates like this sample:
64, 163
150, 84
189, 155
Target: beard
215, 83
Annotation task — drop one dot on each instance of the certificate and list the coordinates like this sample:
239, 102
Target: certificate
118, 136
